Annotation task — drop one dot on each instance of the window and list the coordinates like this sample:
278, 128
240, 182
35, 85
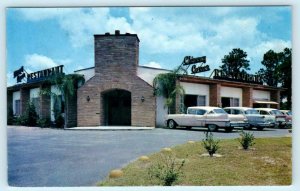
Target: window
230, 102
192, 111
236, 112
194, 100
251, 111
275, 112
264, 113
228, 111
201, 112
58, 106
235, 102
219, 111
201, 100
17, 107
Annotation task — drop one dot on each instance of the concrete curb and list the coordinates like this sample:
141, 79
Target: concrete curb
110, 128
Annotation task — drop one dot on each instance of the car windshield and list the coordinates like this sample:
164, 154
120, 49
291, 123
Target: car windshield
289, 112
251, 111
275, 112
219, 111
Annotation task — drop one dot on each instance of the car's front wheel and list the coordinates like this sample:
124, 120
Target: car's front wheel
172, 124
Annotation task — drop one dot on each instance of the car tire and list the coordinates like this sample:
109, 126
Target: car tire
212, 127
188, 127
260, 128
172, 124
248, 128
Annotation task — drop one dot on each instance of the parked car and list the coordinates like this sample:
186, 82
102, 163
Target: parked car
274, 116
212, 118
288, 117
252, 116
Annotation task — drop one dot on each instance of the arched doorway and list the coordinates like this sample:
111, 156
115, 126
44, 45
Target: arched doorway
117, 107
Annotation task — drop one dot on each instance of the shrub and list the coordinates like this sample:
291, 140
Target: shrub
30, 115
167, 170
10, 116
20, 120
210, 144
246, 140
44, 122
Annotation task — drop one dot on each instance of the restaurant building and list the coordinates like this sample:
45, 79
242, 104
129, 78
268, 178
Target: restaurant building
119, 92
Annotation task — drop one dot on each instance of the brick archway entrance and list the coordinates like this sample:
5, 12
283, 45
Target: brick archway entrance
117, 107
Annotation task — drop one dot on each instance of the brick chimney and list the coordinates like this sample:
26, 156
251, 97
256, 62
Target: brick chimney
116, 53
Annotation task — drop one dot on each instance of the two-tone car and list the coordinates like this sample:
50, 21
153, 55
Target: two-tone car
212, 118
288, 117
252, 116
274, 116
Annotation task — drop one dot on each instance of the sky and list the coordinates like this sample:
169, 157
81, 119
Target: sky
40, 38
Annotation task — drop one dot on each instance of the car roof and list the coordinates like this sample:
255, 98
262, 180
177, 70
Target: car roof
243, 108
204, 107
285, 110
266, 109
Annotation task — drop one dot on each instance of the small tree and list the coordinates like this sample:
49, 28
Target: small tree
210, 144
165, 85
30, 115
167, 169
246, 140
67, 85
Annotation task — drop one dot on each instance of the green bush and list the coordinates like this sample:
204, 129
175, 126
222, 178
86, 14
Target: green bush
246, 140
59, 121
210, 144
10, 116
30, 115
167, 170
44, 122
20, 120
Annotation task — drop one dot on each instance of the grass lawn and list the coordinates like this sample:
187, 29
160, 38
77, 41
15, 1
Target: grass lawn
267, 163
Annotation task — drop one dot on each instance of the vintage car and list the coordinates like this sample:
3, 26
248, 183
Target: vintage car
288, 117
212, 118
251, 115
274, 116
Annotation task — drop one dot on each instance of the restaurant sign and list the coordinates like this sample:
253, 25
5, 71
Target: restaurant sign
238, 77
189, 60
43, 74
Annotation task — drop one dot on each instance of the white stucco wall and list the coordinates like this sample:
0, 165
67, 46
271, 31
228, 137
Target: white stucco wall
196, 89
34, 93
232, 92
16, 96
88, 73
261, 95
148, 74
56, 91
161, 112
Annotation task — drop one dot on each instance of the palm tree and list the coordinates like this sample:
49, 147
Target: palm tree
165, 85
67, 86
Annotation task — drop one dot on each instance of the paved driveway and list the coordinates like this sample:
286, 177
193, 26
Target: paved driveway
51, 157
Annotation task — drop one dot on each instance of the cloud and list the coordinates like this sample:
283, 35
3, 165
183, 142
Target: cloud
38, 14
169, 34
153, 65
36, 62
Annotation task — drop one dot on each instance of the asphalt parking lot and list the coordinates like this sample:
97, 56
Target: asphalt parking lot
51, 157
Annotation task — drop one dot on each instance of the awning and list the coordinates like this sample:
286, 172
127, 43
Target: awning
265, 102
